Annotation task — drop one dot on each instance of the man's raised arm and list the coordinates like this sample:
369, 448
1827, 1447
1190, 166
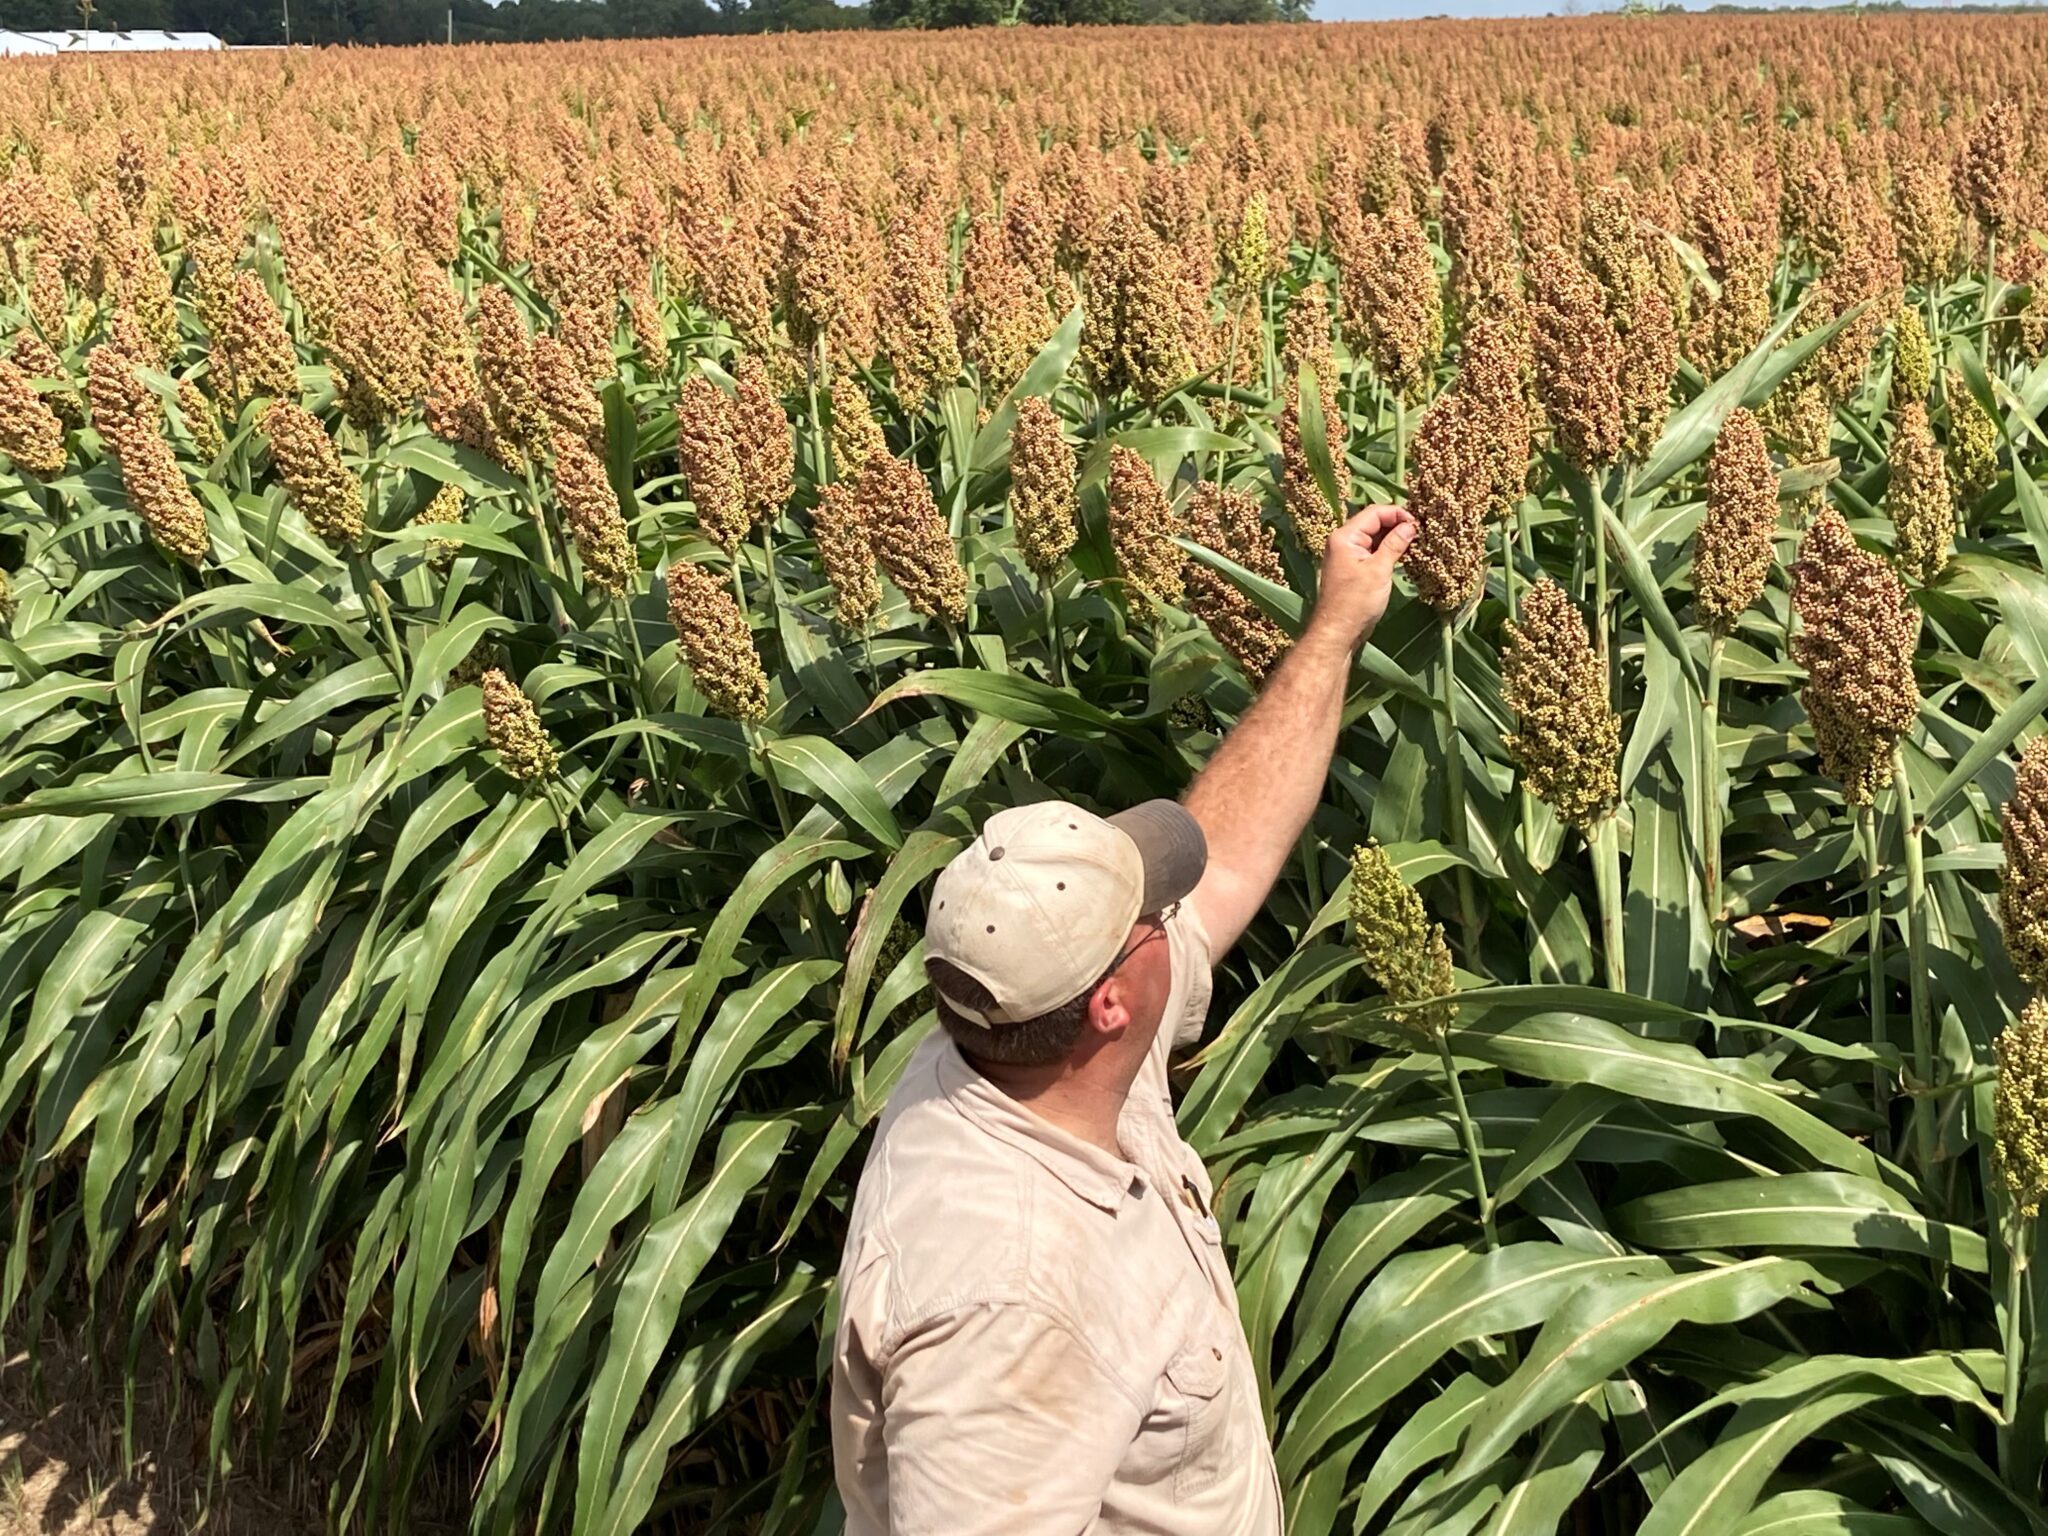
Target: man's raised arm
1258, 791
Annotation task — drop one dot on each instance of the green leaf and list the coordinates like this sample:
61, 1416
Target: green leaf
1996, 737
1572, 1048
155, 796
1815, 1210
1607, 1325
716, 1062
1281, 605
770, 872
1315, 438
670, 1257
826, 773
1772, 1418
697, 1387
1818, 1512
448, 645
1022, 700
452, 464
1154, 443
1691, 430
1406, 1322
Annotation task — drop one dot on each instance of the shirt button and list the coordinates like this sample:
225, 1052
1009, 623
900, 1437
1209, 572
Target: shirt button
1216, 1352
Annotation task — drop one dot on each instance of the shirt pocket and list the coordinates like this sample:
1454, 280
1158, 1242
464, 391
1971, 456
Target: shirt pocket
1200, 1378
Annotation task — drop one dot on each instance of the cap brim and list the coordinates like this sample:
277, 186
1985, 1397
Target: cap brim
1171, 844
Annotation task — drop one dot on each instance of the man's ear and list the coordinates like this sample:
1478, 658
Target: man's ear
1109, 1010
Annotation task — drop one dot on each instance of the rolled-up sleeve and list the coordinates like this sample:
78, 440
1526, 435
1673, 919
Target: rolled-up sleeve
999, 1418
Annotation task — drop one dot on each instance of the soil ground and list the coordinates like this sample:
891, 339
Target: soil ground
62, 1471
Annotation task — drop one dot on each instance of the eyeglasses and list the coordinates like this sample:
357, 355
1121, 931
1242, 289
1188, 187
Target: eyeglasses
1155, 929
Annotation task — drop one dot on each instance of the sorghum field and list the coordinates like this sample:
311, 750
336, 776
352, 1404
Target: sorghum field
522, 562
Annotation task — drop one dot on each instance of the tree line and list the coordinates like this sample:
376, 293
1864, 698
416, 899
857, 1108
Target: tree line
246, 22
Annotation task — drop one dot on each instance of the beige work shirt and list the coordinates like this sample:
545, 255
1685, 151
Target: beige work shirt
1035, 1336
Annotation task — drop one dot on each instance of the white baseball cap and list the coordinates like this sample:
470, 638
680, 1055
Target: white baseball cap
1037, 907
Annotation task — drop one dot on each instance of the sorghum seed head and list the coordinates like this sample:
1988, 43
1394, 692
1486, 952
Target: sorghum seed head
839, 527
913, 318
716, 642
1044, 509
826, 280
762, 442
129, 419
1249, 255
1912, 357
1449, 491
447, 506
590, 513
1649, 358
1857, 633
1403, 950
1925, 221
1923, 512
1569, 740
2023, 891
374, 346
1490, 380
1229, 523
1135, 334
38, 359
856, 435
565, 399
1579, 360
2019, 1109
1307, 344
1972, 442
504, 365
30, 433
709, 460
252, 352
327, 496
1392, 306
1001, 312
910, 537
201, 425
513, 728
1735, 545
1142, 528
1989, 175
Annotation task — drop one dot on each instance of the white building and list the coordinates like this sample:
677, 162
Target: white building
44, 44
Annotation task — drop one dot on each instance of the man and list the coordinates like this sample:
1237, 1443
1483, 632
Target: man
1037, 1328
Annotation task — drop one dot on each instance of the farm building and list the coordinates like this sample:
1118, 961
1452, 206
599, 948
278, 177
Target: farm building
33, 44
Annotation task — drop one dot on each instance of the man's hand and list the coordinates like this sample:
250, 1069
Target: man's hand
1358, 573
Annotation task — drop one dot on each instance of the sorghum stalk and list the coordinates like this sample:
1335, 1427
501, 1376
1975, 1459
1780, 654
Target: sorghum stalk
2019, 1146
1916, 946
1598, 533
1605, 845
1711, 782
1400, 445
1873, 872
1990, 290
1468, 1133
1455, 817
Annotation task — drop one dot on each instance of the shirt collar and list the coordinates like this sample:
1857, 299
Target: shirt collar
1090, 1172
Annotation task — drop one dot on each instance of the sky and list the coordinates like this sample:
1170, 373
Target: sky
1388, 10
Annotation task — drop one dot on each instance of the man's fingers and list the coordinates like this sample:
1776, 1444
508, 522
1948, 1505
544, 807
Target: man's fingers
1395, 543
1368, 524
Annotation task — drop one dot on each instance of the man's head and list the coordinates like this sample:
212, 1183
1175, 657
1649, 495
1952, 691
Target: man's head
1047, 935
